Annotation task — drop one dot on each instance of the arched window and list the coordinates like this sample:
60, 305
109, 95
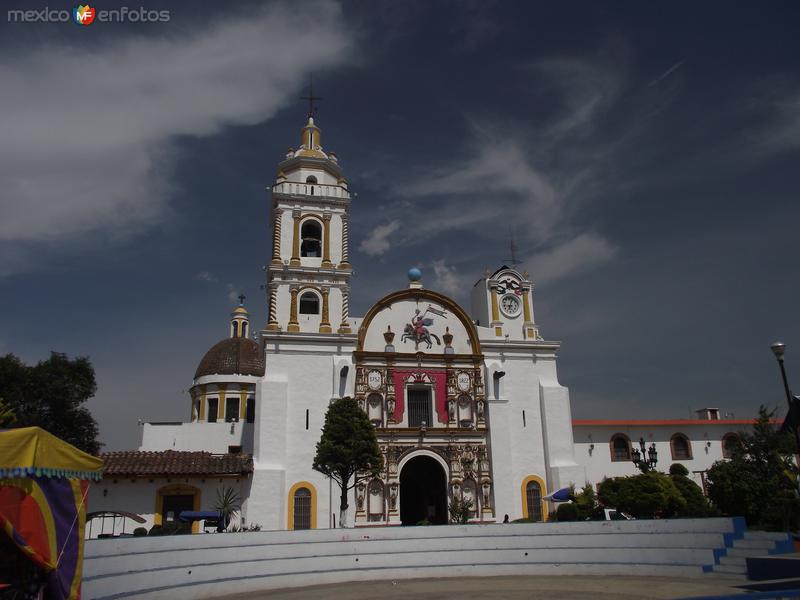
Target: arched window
375, 409
302, 508
729, 441
620, 448
311, 236
465, 410
375, 500
311, 179
244, 329
681, 447
309, 304
533, 500
235, 326
470, 494
171, 501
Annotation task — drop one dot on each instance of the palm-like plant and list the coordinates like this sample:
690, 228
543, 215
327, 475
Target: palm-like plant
228, 504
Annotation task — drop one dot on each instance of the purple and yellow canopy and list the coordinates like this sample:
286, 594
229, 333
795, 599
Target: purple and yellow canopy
44, 483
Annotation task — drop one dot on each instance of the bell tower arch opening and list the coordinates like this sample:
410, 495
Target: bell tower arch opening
423, 492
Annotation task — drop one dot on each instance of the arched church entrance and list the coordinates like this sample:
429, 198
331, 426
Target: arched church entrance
423, 492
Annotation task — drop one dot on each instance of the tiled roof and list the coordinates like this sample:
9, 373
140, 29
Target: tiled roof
174, 462
232, 356
656, 422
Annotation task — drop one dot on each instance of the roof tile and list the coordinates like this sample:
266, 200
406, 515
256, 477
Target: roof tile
174, 462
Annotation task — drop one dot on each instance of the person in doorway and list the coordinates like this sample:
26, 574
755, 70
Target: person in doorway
505, 519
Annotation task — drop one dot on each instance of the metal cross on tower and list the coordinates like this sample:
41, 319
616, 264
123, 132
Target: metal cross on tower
311, 97
241, 299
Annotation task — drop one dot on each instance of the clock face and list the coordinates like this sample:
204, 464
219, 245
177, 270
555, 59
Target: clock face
510, 304
374, 380
463, 382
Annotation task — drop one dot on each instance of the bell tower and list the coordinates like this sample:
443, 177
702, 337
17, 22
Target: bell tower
308, 278
503, 301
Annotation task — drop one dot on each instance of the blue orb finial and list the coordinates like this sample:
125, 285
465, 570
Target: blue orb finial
414, 274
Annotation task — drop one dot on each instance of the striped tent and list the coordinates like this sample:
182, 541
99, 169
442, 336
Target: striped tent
44, 483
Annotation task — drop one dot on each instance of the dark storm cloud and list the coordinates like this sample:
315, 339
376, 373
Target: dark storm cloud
642, 157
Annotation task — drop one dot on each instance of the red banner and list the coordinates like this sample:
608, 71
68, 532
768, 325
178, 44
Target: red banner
439, 380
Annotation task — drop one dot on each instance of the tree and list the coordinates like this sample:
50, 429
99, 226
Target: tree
586, 503
759, 482
7, 416
696, 503
347, 449
50, 395
647, 495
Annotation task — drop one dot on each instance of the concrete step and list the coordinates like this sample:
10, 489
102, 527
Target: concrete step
757, 544
730, 569
733, 560
765, 535
745, 552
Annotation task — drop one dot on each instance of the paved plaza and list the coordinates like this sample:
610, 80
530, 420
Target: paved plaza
513, 588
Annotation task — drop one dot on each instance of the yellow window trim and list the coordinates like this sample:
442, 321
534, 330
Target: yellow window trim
290, 504
524, 495
176, 489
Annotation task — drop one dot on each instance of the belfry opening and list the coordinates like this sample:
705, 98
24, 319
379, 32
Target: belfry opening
423, 492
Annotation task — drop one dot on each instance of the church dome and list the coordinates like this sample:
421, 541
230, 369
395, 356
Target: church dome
232, 356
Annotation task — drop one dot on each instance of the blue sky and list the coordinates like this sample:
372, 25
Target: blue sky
644, 157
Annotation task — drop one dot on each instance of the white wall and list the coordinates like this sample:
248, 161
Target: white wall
209, 566
208, 437
705, 438
138, 495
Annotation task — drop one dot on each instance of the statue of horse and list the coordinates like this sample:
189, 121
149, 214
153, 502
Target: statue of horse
411, 334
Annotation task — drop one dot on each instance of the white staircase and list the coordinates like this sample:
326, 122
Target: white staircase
192, 567
751, 544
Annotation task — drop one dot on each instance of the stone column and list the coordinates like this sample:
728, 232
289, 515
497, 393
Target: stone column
345, 325
272, 323
294, 324
325, 324
276, 237
326, 240
345, 264
295, 260
498, 329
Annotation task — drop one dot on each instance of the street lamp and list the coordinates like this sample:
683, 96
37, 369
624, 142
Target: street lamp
646, 459
778, 349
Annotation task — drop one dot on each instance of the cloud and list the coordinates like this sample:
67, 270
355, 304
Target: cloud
234, 291
377, 242
88, 151
206, 276
666, 73
536, 171
578, 254
447, 278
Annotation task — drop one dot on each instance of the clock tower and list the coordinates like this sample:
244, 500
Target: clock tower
503, 302
308, 278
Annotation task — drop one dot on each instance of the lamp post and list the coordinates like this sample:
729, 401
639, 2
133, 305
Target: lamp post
778, 349
646, 459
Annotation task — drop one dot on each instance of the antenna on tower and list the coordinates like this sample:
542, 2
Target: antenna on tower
311, 97
513, 260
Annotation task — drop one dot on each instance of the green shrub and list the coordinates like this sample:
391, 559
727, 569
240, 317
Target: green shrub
460, 510
567, 512
678, 469
696, 504
644, 496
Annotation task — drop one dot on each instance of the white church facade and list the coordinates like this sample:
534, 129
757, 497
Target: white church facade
466, 403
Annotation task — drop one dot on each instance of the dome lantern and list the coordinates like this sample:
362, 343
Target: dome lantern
240, 320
